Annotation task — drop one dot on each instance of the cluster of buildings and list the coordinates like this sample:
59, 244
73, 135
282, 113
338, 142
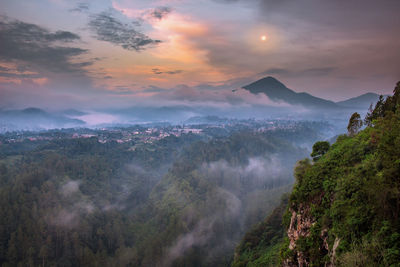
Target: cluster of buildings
140, 134
104, 135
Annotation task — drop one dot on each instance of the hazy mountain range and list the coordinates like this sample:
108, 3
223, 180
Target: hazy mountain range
277, 91
362, 101
37, 119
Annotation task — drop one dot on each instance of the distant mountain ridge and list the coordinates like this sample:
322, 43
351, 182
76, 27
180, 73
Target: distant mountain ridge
362, 101
34, 119
277, 91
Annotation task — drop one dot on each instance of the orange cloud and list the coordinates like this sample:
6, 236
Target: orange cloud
40, 81
10, 80
185, 46
11, 73
180, 34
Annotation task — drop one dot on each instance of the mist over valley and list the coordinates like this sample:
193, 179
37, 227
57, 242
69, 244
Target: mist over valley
176, 133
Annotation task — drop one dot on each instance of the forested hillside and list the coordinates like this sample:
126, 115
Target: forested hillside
211, 196
69, 202
345, 206
179, 201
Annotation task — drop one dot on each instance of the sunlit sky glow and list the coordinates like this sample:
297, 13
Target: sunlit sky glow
63, 53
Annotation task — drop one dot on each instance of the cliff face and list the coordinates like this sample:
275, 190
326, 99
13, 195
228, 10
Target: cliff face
300, 225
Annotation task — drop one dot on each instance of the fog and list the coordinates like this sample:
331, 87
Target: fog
174, 106
243, 195
258, 172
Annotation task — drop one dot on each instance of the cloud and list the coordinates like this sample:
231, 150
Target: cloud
358, 40
153, 89
109, 29
31, 33
4, 68
203, 231
76, 206
19, 75
96, 118
241, 192
348, 15
143, 12
273, 71
33, 46
158, 71
81, 7
318, 71
226, 1
181, 34
70, 188
214, 96
160, 12
197, 237
258, 172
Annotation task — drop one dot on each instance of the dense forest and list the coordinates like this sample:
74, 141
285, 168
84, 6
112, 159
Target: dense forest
344, 208
180, 201
68, 202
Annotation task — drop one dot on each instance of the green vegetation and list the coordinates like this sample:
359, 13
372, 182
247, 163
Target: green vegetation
319, 149
179, 201
348, 200
260, 246
355, 124
197, 213
69, 202
353, 192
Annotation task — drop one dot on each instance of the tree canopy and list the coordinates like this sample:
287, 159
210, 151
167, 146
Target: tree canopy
319, 149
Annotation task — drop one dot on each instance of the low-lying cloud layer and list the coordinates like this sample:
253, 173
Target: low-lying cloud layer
234, 199
223, 98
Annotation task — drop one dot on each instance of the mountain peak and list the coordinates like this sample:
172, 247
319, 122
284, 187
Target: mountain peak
271, 80
270, 86
277, 91
267, 82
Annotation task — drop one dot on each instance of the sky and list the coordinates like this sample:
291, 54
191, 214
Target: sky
120, 53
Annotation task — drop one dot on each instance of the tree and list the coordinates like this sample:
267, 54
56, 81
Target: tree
375, 113
319, 149
383, 106
368, 116
301, 168
355, 124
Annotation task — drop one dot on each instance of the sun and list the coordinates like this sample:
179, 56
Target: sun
263, 38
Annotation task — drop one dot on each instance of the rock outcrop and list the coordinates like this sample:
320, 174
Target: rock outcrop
300, 225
